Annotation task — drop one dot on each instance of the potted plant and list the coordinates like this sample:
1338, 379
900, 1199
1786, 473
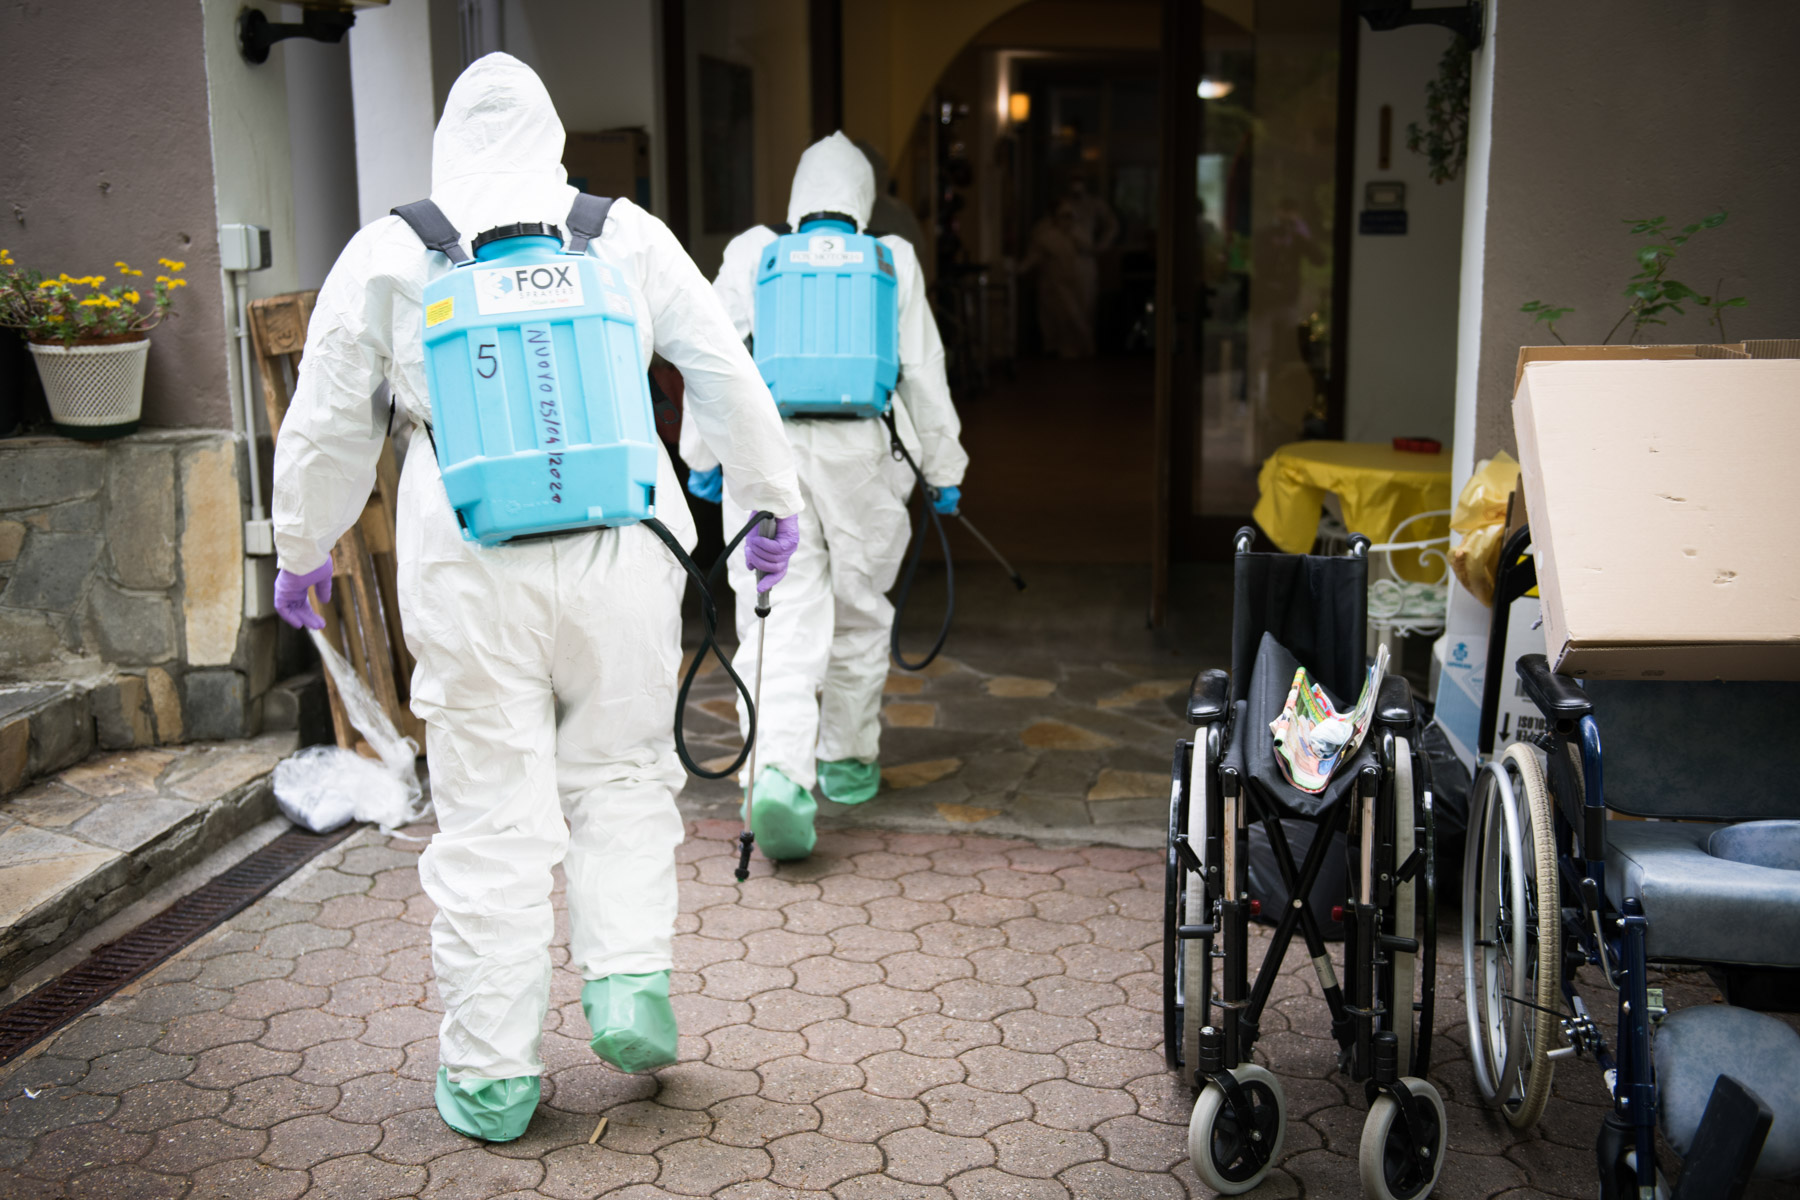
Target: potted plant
89, 342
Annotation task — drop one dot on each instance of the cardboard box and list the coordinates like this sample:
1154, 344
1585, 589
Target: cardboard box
613, 163
1664, 491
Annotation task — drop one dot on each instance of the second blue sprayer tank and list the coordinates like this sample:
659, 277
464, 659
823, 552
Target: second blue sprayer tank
540, 405
827, 321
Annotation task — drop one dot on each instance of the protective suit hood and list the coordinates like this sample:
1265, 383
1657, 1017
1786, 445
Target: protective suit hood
496, 157
833, 176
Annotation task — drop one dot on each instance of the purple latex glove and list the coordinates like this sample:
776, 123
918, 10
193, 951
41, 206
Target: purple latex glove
290, 596
772, 554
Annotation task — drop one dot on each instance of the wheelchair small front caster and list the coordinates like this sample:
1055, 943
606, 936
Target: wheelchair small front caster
1393, 1165
1233, 1151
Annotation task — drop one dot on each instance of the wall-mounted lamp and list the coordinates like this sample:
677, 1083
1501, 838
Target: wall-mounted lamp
1018, 107
321, 20
1216, 89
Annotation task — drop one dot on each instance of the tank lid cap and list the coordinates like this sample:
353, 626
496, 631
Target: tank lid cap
815, 218
522, 229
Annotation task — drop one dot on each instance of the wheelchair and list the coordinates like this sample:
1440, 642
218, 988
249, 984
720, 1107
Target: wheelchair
1552, 884
1376, 812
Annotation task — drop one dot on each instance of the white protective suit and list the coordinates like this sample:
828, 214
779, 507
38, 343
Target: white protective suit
828, 631
545, 669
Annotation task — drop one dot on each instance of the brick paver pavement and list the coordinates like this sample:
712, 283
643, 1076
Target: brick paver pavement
902, 1016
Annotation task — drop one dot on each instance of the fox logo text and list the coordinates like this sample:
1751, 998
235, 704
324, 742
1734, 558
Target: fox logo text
526, 289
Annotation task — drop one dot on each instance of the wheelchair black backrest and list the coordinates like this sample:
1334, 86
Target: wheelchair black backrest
1706, 751
1315, 606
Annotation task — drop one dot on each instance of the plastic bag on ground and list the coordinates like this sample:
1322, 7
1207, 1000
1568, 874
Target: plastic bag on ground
1480, 516
322, 787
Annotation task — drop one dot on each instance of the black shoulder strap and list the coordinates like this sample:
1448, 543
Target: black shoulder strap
782, 228
434, 229
586, 219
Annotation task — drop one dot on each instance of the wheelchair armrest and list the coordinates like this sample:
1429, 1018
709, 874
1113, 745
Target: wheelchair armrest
1394, 703
1560, 700
1210, 697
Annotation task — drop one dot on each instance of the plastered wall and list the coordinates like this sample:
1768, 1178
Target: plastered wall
105, 154
1676, 110
1401, 377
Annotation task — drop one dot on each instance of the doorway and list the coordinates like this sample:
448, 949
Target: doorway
1034, 170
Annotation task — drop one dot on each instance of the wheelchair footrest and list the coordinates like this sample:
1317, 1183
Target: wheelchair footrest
1698, 1050
1726, 1145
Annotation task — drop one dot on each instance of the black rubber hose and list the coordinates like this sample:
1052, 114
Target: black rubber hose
709, 619
928, 494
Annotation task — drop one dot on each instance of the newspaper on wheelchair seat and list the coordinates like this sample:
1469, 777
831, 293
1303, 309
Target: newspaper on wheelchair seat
1312, 737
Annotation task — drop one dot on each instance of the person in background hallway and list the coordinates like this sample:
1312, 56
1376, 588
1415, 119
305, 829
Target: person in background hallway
1064, 265
1064, 250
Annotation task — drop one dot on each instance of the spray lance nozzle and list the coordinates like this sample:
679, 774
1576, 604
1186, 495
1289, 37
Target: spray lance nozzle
746, 839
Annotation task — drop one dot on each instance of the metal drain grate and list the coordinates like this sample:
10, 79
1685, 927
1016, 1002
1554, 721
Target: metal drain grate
31, 1018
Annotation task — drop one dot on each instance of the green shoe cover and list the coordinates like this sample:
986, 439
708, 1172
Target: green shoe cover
632, 1020
782, 817
849, 780
494, 1110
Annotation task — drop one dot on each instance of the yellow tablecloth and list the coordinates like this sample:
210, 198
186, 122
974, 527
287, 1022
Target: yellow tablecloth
1377, 485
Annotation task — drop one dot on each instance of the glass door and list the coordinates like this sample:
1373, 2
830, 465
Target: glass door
1259, 285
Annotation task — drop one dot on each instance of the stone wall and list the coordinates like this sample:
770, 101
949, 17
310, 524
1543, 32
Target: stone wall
122, 571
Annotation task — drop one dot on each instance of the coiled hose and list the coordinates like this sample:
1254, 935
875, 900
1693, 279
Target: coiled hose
709, 619
929, 494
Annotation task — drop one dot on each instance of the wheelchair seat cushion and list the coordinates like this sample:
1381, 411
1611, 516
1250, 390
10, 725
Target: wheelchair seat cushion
1702, 907
1695, 1046
1252, 750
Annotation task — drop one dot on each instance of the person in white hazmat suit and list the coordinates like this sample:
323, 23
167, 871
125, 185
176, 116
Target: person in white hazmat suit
546, 669
827, 653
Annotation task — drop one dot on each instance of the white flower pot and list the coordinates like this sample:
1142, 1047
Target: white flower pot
94, 391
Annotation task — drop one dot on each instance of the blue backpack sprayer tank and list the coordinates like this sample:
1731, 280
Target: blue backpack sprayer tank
541, 419
828, 320
827, 341
539, 401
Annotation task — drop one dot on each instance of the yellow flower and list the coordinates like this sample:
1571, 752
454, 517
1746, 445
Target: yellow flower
49, 285
111, 303
65, 277
175, 283
93, 302
172, 264
57, 318
132, 296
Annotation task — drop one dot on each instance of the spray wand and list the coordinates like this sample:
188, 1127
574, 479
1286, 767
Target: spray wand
747, 839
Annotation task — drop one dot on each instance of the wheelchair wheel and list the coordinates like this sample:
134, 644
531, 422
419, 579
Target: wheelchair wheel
1512, 938
1184, 902
1414, 917
1390, 1168
1219, 1140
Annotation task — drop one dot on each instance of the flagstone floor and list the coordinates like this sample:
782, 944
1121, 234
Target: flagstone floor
912, 1016
921, 1011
